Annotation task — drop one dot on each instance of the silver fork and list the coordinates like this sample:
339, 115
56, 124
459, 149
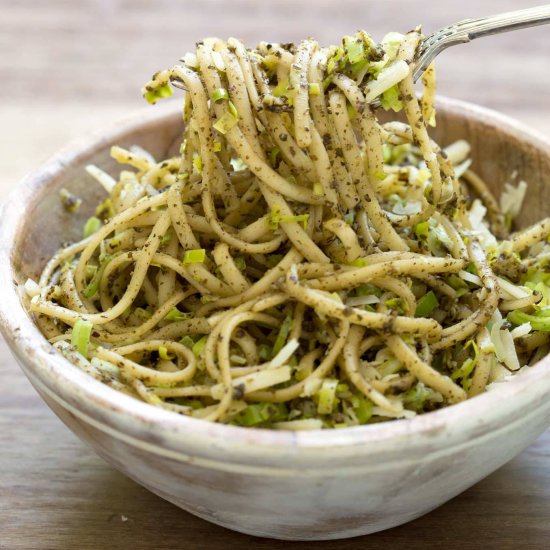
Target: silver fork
469, 29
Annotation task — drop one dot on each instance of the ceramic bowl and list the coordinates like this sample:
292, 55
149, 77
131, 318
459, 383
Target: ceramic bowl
307, 485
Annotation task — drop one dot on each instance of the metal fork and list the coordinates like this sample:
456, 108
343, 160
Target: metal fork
469, 29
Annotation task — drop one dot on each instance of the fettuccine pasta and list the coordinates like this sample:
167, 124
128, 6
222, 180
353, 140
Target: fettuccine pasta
299, 264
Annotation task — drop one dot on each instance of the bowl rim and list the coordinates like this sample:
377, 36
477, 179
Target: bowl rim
124, 414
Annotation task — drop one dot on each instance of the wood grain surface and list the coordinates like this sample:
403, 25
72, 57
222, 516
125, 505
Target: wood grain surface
69, 67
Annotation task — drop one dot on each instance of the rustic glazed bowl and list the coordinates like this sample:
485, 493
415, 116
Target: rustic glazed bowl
308, 485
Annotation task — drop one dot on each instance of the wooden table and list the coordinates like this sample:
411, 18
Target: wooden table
68, 67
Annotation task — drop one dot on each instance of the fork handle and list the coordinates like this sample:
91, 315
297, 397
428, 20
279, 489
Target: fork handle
469, 29
505, 22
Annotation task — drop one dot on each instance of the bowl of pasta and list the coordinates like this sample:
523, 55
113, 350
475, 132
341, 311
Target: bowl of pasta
287, 312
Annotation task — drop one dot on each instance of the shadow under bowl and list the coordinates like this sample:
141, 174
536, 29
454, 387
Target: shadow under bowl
306, 485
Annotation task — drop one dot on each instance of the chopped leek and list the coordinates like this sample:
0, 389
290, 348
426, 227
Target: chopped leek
327, 396
352, 113
421, 229
80, 336
71, 203
286, 326
438, 241
91, 226
318, 190
91, 270
226, 122
415, 398
233, 110
426, 304
276, 218
220, 94
355, 50
422, 176
386, 153
273, 259
397, 304
240, 262
237, 360
282, 89
314, 89
93, 286
197, 163
335, 60
391, 99
163, 353
367, 289
264, 352
538, 321
273, 156
291, 179
187, 341
153, 94
105, 210
198, 346
196, 256
176, 315
362, 408
359, 262
166, 238
259, 413
465, 370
